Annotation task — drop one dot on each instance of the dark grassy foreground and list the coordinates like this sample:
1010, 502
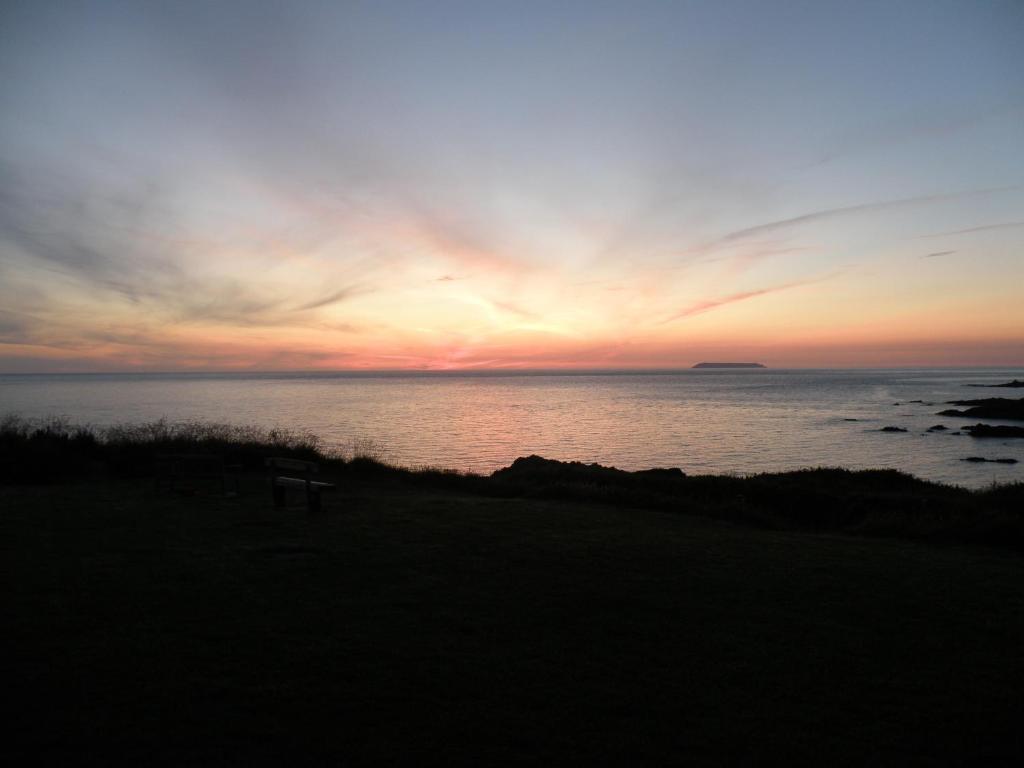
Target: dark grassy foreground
438, 618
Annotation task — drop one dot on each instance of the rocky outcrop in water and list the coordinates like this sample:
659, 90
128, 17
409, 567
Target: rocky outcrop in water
987, 430
988, 408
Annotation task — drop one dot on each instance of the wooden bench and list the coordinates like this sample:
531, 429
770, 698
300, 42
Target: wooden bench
192, 472
296, 474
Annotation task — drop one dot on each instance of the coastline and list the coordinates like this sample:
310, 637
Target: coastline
871, 502
707, 422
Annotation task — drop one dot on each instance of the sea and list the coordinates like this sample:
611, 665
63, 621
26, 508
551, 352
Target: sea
706, 421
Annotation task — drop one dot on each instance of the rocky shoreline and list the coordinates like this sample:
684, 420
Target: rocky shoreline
1000, 408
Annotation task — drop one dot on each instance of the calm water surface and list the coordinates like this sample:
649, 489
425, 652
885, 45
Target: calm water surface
706, 421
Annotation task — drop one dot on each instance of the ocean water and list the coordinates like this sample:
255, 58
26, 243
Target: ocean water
703, 421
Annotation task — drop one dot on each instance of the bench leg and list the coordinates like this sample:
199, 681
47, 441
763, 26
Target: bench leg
279, 495
313, 499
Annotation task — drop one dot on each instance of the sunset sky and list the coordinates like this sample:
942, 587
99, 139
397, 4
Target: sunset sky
243, 185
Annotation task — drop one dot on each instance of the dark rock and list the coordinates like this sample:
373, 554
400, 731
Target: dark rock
937, 428
989, 408
987, 430
535, 469
851, 419
668, 473
892, 429
1015, 384
980, 459
1006, 402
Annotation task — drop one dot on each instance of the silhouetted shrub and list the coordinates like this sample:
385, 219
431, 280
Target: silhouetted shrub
45, 450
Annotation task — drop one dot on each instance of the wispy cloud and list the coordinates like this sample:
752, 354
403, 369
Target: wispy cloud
849, 210
331, 298
114, 244
720, 301
12, 327
982, 228
937, 254
890, 132
515, 309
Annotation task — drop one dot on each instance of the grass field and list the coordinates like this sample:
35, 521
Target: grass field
410, 625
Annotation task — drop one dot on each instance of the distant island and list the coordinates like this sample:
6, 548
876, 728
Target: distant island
728, 365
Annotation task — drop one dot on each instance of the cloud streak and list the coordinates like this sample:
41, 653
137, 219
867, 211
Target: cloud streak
849, 210
332, 298
113, 243
514, 309
982, 228
707, 305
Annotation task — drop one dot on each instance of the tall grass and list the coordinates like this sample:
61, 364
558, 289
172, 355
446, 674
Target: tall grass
54, 449
366, 449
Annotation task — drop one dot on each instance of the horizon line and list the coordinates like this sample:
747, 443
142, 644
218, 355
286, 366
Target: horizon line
503, 371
